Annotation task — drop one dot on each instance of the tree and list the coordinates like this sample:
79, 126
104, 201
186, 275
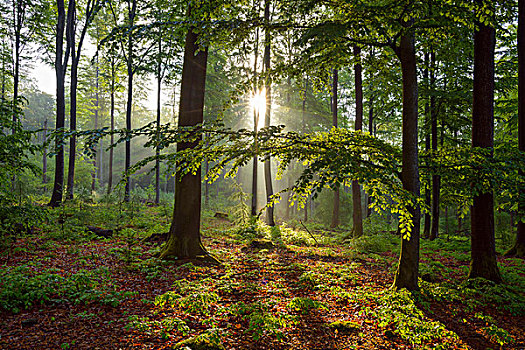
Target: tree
268, 113
483, 247
335, 212
184, 240
436, 179
356, 189
519, 246
408, 268
92, 7
61, 61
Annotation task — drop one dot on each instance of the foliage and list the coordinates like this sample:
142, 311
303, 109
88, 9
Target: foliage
22, 288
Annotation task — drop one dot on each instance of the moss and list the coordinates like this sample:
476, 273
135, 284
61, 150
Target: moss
198, 343
345, 326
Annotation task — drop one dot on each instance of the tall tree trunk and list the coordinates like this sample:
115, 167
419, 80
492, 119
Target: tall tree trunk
304, 132
75, 59
18, 14
112, 124
44, 152
268, 114
184, 239
157, 150
428, 198
519, 246
483, 255
371, 132
61, 59
72, 123
95, 165
436, 179
356, 188
337, 194
255, 127
408, 269
129, 105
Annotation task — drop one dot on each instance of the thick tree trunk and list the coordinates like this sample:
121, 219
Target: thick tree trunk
356, 188
483, 255
270, 220
519, 246
335, 212
408, 269
61, 59
184, 239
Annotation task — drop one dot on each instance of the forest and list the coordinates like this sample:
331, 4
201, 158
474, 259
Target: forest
262, 174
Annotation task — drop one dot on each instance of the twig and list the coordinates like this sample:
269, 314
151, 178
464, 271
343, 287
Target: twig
309, 232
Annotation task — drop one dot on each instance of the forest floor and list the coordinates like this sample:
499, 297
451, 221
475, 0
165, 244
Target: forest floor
62, 288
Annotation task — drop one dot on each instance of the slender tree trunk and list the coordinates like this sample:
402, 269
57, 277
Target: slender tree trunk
436, 179
519, 246
44, 152
255, 127
72, 125
95, 165
371, 132
112, 125
18, 12
356, 188
483, 255
337, 194
157, 150
61, 59
267, 115
428, 198
129, 106
408, 269
304, 131
184, 236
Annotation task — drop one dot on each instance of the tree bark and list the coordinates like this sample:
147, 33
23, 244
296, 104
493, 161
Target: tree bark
44, 151
356, 188
408, 269
157, 151
112, 124
436, 179
270, 220
428, 197
519, 247
129, 105
337, 194
61, 59
95, 163
483, 247
255, 127
371, 132
184, 240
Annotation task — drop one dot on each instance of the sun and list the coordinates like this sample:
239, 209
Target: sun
258, 106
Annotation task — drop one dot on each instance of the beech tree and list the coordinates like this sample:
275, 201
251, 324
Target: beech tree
61, 62
90, 11
356, 188
483, 248
184, 240
519, 246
